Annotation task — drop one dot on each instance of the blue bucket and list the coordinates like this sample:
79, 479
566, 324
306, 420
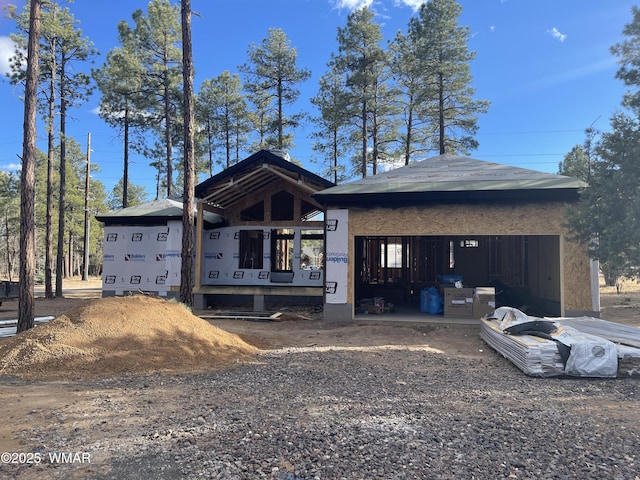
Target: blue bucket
424, 300
435, 303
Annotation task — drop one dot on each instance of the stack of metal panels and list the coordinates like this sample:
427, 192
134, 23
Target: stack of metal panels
616, 332
537, 356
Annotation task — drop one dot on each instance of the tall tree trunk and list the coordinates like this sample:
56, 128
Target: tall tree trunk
87, 225
69, 264
280, 116
441, 124
375, 141
227, 134
167, 133
237, 141
8, 247
63, 176
210, 147
409, 139
186, 274
125, 174
48, 242
365, 133
28, 177
335, 157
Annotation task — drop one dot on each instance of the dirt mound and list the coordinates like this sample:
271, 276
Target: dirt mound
120, 336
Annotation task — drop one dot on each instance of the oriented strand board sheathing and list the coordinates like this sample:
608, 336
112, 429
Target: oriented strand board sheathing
577, 274
463, 219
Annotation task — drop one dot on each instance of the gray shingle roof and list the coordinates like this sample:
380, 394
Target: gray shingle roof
448, 174
153, 212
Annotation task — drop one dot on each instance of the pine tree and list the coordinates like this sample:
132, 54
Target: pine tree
136, 195
414, 138
222, 111
62, 46
272, 75
155, 41
628, 53
26, 296
9, 223
576, 164
361, 60
443, 58
607, 218
186, 270
331, 136
123, 103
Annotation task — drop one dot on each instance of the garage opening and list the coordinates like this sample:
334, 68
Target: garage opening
524, 269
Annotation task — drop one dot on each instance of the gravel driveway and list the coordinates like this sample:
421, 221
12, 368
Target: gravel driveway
372, 413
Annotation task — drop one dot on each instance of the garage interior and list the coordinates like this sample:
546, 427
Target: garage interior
524, 269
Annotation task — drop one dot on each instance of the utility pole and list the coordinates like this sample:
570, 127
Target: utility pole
85, 270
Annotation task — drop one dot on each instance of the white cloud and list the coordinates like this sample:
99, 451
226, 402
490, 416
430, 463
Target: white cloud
6, 52
413, 4
351, 4
11, 167
556, 34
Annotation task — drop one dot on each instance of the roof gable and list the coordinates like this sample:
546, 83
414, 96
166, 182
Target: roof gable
251, 175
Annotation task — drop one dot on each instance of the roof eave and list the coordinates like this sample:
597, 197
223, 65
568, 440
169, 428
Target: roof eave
417, 198
270, 157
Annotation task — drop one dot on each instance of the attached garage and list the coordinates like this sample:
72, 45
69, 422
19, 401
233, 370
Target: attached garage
448, 217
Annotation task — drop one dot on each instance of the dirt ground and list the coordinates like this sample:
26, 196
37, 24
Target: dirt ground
300, 328
308, 328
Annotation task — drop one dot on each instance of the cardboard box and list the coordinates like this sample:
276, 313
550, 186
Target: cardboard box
484, 301
482, 309
374, 309
458, 302
374, 305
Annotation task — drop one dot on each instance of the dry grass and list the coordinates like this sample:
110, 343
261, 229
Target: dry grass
621, 307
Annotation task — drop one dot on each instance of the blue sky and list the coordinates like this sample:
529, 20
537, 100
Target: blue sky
544, 65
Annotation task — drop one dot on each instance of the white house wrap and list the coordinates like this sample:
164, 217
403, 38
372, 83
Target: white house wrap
143, 258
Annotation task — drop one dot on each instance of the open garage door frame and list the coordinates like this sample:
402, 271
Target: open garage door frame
526, 269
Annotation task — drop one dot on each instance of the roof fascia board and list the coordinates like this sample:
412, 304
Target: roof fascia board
261, 157
417, 198
298, 182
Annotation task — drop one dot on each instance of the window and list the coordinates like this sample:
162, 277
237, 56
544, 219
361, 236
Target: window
251, 249
282, 250
391, 255
469, 243
452, 256
384, 259
282, 206
311, 249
